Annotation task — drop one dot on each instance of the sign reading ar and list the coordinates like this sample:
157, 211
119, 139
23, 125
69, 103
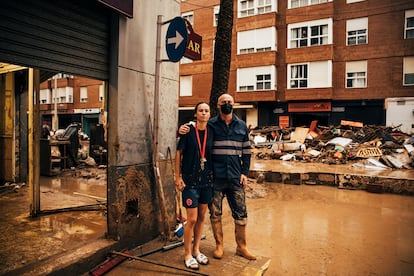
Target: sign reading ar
193, 49
181, 41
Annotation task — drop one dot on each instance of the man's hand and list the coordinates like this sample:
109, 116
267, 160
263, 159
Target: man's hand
243, 181
184, 129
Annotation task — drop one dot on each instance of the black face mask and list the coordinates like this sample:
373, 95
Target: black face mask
226, 108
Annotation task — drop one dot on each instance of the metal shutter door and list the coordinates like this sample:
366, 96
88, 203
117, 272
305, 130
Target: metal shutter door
61, 36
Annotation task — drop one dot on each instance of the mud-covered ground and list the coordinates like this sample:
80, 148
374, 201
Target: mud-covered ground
309, 230
26, 241
303, 229
319, 230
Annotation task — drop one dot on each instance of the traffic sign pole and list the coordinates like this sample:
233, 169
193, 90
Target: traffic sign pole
155, 130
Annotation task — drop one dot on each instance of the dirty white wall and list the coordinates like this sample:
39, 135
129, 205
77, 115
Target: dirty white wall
136, 83
135, 204
400, 111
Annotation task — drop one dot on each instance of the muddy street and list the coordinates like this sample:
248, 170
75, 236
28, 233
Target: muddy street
310, 230
318, 230
302, 229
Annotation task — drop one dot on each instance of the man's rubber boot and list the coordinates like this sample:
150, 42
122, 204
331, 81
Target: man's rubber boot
240, 231
218, 236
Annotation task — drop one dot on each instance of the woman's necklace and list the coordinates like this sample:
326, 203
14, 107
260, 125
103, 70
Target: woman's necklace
202, 148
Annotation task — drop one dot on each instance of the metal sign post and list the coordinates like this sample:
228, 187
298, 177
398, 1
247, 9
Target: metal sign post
176, 41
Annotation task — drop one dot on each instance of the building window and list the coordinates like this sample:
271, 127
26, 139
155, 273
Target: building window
299, 76
84, 94
61, 95
247, 51
216, 15
263, 82
315, 74
186, 86
299, 37
264, 6
357, 31
312, 33
69, 94
409, 24
319, 35
254, 7
189, 16
246, 8
245, 88
297, 3
408, 70
45, 96
355, 80
303, 3
256, 78
101, 92
356, 74
257, 40
264, 49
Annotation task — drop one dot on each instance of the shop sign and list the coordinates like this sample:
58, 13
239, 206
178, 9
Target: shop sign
309, 107
193, 49
283, 121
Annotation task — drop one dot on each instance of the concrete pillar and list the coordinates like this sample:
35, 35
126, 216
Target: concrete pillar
133, 203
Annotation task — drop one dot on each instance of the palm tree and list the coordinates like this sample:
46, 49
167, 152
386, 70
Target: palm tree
222, 53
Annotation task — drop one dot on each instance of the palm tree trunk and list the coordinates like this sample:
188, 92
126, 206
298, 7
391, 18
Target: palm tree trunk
222, 53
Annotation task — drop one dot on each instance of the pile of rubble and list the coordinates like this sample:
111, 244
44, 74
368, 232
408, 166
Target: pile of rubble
376, 146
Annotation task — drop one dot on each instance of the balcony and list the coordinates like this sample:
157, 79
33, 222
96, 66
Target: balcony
62, 107
255, 96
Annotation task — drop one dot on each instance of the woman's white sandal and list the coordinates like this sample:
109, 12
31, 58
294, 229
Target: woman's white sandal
202, 259
191, 264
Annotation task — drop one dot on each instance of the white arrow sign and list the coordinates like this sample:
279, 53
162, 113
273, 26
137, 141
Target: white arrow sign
177, 39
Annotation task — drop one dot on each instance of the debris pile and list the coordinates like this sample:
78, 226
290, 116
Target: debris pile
372, 146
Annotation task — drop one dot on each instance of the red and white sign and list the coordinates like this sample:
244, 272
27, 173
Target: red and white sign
194, 44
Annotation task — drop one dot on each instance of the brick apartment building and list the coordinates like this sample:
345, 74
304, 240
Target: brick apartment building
78, 100
294, 61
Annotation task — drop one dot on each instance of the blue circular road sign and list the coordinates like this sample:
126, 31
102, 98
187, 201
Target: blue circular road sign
176, 39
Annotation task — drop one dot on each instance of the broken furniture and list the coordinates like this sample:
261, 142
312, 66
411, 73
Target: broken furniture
52, 159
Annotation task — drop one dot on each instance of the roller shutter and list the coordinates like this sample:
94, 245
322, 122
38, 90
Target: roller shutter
61, 36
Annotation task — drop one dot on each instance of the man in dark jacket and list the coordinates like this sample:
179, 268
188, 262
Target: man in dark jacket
231, 162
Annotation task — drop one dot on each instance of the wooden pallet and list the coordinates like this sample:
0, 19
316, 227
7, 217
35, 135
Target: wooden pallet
369, 152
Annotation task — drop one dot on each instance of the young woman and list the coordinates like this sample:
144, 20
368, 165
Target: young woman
194, 178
